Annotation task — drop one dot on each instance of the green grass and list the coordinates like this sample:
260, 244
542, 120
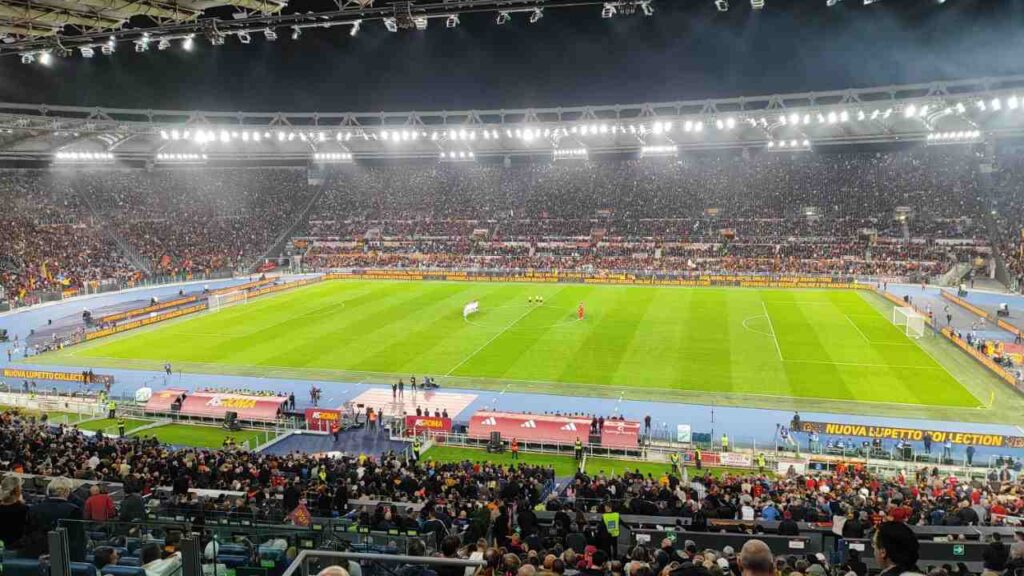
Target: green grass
109, 425
610, 466
201, 436
564, 466
810, 349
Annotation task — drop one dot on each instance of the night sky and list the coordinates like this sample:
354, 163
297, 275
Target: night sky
571, 57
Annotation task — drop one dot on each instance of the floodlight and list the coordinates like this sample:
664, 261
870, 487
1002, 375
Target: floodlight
87, 51
536, 15
608, 10
270, 35
244, 37
187, 44
452, 21
503, 17
722, 5
355, 27
45, 58
391, 24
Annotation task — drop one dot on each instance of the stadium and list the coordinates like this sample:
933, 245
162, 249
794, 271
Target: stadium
765, 320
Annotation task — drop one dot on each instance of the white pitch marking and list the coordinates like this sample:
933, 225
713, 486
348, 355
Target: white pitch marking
772, 327
857, 328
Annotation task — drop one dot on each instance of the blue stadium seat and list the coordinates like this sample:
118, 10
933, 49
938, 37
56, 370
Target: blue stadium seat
232, 560
21, 567
82, 569
232, 550
119, 570
128, 561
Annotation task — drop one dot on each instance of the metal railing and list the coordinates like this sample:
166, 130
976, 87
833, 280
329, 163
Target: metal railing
301, 564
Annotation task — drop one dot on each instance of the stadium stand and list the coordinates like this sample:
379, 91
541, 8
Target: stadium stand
849, 212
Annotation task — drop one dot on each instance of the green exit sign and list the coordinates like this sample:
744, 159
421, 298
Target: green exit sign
958, 550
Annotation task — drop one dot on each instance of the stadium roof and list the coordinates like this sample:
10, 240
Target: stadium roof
68, 21
935, 113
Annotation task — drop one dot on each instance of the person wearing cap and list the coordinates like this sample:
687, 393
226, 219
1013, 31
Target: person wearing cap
788, 526
896, 549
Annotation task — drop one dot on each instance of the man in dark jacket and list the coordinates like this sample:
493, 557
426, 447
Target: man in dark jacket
45, 516
995, 554
788, 526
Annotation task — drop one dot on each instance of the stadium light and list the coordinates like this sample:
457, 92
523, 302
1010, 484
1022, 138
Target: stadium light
420, 22
997, 104
391, 24
647, 8
757, 4
45, 58
870, 2
536, 15
570, 153
665, 150
722, 5
503, 17
1011, 102
355, 28
164, 44
452, 21
909, 111
270, 35
87, 51
609, 10
244, 37
831, 3
187, 44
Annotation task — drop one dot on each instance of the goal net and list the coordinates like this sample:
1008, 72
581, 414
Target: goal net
912, 322
218, 301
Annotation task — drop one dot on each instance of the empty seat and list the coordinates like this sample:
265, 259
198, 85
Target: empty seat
119, 570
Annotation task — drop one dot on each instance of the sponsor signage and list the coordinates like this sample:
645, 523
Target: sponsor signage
550, 428
145, 321
161, 401
146, 310
55, 376
321, 419
912, 434
734, 459
620, 434
215, 405
428, 424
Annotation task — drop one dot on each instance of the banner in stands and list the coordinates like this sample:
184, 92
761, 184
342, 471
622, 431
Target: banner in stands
55, 376
427, 424
245, 286
529, 427
216, 405
620, 434
145, 310
735, 459
696, 279
161, 401
912, 434
321, 419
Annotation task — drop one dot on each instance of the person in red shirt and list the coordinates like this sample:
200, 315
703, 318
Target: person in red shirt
515, 449
99, 507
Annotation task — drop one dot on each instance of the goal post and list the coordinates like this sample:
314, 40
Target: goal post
912, 322
218, 301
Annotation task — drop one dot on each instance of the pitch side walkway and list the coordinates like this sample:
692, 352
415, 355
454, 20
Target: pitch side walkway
745, 426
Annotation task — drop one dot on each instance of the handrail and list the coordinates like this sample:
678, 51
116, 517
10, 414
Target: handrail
305, 555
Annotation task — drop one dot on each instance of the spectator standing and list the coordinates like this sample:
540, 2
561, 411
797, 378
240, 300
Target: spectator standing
13, 512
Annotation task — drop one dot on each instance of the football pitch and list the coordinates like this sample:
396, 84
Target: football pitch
709, 345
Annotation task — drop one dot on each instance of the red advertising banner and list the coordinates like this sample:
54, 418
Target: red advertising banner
161, 401
321, 419
216, 405
529, 427
620, 434
427, 424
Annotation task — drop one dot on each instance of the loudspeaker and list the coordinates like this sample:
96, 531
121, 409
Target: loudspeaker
495, 444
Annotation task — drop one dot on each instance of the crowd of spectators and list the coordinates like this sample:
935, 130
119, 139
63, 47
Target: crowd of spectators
845, 212
893, 213
63, 229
